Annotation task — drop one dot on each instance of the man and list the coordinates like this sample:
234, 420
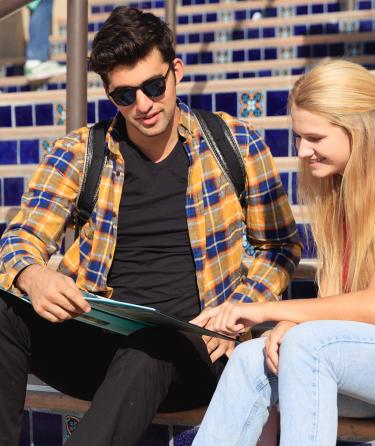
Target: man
166, 232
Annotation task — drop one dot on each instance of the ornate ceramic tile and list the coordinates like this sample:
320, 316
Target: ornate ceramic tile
251, 104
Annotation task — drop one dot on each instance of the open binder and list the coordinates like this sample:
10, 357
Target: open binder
124, 318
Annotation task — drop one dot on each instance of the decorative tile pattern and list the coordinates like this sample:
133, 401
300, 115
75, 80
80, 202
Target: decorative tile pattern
59, 112
251, 104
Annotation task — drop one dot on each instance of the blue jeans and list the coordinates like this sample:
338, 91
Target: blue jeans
39, 31
326, 369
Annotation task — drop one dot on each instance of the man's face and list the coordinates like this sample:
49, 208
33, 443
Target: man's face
148, 117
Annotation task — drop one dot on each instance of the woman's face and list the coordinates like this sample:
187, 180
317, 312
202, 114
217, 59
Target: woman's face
324, 146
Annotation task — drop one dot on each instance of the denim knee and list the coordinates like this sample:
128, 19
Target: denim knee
248, 359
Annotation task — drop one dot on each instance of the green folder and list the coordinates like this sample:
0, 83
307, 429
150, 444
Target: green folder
125, 318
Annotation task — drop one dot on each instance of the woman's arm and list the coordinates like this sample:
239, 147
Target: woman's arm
233, 318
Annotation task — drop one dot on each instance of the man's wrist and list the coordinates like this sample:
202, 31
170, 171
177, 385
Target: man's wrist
26, 276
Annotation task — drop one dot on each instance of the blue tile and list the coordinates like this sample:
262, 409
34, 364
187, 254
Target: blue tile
316, 29
106, 109
309, 250
284, 177
238, 56
232, 76
332, 28
364, 5
159, 4
336, 49
191, 58
317, 9
183, 20
227, 102
320, 50
253, 33
91, 118
208, 37
91, 28
270, 53
240, 15
8, 152
180, 39
268, 32
156, 435
2, 229
184, 98
187, 78
29, 151
297, 71
186, 2
365, 26
294, 188
183, 436
5, 116
270, 12
24, 115
369, 48
238, 34
95, 9
276, 102
254, 55
211, 17
201, 101
300, 30
200, 78
194, 38
249, 74
301, 10
197, 18
47, 429
206, 57
13, 190
265, 73
278, 141
333, 7
44, 114
25, 429
303, 51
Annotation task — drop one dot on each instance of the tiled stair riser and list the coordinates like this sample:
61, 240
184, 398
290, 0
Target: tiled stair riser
244, 104
47, 429
268, 53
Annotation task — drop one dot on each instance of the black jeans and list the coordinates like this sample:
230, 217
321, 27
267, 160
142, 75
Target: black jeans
128, 378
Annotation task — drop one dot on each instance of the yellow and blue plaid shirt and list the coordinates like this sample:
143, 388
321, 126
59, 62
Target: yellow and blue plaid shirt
216, 221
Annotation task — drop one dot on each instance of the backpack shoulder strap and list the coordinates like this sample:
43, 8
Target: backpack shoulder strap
224, 147
95, 158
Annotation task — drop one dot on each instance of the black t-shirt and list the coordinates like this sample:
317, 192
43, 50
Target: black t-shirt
153, 262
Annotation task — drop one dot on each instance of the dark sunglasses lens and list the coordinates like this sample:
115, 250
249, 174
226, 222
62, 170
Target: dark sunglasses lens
154, 88
124, 97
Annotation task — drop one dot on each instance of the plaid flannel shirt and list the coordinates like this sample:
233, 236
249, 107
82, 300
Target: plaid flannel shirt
215, 218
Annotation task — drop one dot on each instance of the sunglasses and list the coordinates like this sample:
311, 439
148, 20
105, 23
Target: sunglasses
152, 88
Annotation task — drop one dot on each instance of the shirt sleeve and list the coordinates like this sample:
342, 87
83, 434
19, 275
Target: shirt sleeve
270, 226
36, 232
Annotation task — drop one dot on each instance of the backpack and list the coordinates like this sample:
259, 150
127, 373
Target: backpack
216, 132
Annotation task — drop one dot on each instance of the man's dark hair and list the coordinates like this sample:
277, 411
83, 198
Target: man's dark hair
127, 36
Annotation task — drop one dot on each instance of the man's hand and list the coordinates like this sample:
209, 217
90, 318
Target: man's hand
217, 347
54, 296
274, 338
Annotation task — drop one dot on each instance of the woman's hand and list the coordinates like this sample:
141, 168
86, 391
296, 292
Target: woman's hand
274, 338
231, 318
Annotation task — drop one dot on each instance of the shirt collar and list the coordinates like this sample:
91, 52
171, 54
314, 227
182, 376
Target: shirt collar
188, 127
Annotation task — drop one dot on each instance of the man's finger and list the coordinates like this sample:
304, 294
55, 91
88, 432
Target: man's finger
76, 298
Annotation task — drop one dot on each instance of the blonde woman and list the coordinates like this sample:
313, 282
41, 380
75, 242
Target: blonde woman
319, 360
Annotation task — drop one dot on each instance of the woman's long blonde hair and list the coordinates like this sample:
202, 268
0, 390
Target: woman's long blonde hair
343, 93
